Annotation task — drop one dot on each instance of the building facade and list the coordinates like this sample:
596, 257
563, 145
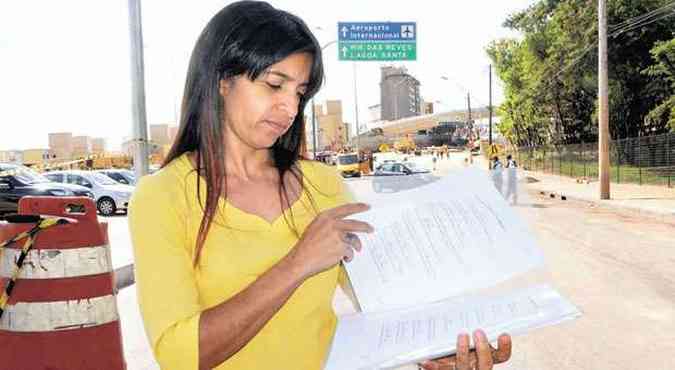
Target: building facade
331, 133
81, 146
61, 144
399, 94
98, 145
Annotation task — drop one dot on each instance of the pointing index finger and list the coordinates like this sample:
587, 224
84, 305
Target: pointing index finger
348, 210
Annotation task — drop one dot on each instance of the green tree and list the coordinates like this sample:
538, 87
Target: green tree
550, 74
662, 75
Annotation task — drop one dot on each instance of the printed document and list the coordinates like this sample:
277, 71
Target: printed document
431, 246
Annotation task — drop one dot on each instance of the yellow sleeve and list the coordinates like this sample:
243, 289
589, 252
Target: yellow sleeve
165, 279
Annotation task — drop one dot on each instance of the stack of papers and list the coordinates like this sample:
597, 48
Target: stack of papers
432, 247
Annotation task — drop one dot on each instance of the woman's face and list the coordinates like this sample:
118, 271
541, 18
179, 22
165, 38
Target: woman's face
258, 112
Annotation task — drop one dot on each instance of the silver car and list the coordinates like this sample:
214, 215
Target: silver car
110, 195
397, 176
126, 177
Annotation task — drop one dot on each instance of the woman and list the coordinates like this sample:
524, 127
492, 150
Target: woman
237, 242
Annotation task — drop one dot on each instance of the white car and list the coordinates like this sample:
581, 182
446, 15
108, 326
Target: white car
110, 195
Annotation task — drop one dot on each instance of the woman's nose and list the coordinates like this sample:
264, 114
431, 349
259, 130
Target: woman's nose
288, 103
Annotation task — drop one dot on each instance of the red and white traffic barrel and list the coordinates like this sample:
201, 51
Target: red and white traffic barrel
62, 312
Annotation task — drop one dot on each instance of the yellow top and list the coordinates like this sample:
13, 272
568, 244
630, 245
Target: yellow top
164, 218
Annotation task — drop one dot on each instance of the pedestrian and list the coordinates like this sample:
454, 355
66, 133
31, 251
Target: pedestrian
433, 160
238, 244
511, 180
497, 173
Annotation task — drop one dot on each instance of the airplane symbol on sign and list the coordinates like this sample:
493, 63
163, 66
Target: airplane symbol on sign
407, 31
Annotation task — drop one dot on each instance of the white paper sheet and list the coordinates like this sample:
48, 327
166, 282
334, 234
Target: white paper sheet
432, 248
384, 340
434, 242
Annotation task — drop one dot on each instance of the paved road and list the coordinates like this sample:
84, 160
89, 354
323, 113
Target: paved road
618, 267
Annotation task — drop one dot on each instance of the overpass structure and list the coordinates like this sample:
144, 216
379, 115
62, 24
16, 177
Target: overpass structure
426, 130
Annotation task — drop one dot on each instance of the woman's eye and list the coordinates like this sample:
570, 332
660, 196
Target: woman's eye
273, 86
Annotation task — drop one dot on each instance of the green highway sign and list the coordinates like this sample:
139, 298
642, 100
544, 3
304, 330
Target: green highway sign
377, 51
377, 41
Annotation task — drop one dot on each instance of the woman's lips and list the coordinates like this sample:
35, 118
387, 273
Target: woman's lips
280, 127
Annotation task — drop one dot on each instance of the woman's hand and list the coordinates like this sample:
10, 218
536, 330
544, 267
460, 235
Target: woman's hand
330, 239
484, 357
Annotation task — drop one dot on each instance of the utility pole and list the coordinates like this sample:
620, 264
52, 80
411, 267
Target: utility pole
490, 109
356, 114
490, 118
603, 103
395, 104
140, 128
470, 125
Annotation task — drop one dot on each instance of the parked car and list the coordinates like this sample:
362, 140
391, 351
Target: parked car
18, 181
384, 157
110, 195
397, 176
125, 177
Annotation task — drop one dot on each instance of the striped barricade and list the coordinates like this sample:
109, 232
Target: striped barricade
61, 312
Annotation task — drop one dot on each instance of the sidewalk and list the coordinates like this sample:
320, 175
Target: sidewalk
656, 200
641, 198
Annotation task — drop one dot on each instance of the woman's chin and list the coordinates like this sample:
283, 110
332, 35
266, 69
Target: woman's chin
266, 143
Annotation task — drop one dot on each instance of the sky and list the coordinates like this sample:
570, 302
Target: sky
65, 65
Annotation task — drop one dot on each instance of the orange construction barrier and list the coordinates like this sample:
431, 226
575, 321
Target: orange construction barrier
62, 312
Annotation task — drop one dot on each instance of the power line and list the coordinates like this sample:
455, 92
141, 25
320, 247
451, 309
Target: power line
575, 60
641, 17
617, 32
642, 23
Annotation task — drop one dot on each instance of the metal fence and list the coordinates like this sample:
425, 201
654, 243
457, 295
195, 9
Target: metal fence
644, 160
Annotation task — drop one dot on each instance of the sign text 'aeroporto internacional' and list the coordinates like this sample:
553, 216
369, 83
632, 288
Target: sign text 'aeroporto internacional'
377, 41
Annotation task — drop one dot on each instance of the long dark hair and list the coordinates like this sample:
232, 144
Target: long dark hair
244, 38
